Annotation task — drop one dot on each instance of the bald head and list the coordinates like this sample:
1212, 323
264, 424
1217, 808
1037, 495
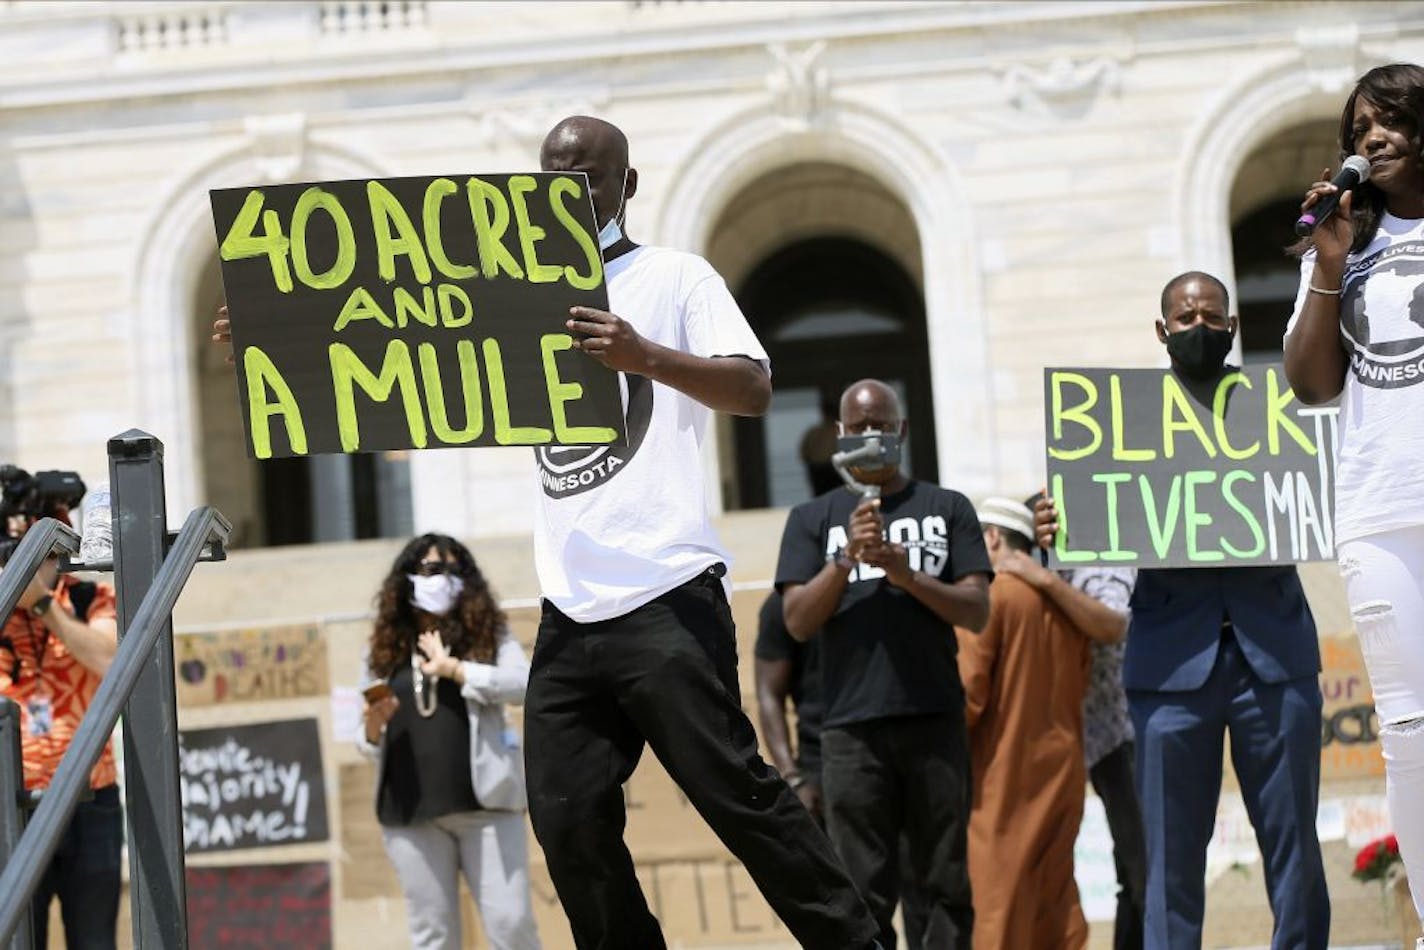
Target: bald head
582, 143
871, 404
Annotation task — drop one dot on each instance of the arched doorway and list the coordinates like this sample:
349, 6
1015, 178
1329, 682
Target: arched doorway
1265, 201
290, 500
825, 263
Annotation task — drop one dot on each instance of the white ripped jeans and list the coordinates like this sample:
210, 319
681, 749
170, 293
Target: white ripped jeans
1384, 583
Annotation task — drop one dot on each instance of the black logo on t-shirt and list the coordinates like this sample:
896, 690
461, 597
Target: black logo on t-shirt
1386, 352
566, 470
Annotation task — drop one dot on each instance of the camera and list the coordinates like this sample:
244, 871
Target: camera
43, 494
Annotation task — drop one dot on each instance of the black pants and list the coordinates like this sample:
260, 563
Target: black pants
1114, 782
665, 674
910, 776
84, 875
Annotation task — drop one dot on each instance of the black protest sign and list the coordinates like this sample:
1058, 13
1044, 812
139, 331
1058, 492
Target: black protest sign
1152, 469
260, 906
414, 312
252, 785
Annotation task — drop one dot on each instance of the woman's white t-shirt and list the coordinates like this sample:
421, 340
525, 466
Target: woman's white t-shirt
620, 525
1379, 469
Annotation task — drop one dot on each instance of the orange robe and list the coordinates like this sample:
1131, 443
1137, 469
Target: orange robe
1024, 680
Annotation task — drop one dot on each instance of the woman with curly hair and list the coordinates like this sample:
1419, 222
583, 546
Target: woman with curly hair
438, 671
1358, 332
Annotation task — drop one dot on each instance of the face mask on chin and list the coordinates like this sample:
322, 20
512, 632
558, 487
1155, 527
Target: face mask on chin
435, 595
1199, 351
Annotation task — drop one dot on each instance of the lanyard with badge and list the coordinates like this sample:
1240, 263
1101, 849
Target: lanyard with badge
38, 705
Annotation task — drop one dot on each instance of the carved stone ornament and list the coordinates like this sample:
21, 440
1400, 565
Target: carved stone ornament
800, 88
278, 144
1062, 81
524, 126
1331, 54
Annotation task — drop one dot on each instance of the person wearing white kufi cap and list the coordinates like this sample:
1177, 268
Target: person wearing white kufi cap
1024, 679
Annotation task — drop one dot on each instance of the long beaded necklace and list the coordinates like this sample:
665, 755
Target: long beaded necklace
425, 701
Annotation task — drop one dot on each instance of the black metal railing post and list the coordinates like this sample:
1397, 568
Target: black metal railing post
152, 794
21, 874
12, 815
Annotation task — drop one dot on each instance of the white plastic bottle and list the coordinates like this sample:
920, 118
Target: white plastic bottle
96, 540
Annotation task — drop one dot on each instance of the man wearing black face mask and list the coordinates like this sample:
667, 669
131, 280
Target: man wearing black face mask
886, 579
1212, 651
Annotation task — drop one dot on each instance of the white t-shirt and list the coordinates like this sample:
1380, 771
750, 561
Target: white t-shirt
1379, 469
620, 525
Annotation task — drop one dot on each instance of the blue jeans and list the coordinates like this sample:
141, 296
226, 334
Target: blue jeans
84, 875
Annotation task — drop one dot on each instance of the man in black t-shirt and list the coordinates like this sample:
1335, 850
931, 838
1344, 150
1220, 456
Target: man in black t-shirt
786, 669
886, 580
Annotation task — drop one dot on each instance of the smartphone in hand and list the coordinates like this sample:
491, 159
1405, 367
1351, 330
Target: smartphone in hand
377, 692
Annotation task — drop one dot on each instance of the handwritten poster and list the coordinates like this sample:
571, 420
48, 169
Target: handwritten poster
260, 906
1151, 469
252, 786
251, 665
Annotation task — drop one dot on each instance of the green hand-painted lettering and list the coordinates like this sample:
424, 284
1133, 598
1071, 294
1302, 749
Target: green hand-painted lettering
1218, 416
240, 243
1247, 515
587, 242
469, 386
387, 212
1060, 541
451, 296
407, 307
504, 433
1196, 519
435, 193
1277, 398
262, 376
362, 306
1110, 480
1184, 419
1161, 528
530, 234
491, 215
1078, 414
340, 270
1121, 452
348, 372
561, 392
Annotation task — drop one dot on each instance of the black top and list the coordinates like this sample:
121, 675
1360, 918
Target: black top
884, 654
427, 761
774, 642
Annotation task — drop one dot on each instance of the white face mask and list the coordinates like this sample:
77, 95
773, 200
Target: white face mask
611, 233
435, 595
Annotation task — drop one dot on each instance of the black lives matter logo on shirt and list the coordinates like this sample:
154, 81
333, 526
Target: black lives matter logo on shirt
566, 470
1382, 316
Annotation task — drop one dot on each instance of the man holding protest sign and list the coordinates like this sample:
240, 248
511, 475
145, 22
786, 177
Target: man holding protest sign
1212, 650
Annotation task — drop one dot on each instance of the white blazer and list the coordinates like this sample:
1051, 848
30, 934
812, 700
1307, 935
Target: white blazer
496, 759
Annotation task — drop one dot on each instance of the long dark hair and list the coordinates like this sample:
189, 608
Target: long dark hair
1397, 90
471, 628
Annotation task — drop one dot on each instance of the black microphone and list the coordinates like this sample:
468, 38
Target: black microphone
1354, 171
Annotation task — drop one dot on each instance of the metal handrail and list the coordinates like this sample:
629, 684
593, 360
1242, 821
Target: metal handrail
42, 539
27, 864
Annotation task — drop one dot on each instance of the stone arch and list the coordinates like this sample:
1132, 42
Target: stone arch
173, 247
732, 154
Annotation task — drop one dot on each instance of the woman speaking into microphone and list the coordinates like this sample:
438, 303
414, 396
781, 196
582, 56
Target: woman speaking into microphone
1358, 333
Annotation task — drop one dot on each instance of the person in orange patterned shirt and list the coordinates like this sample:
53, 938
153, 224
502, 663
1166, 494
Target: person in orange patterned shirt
54, 649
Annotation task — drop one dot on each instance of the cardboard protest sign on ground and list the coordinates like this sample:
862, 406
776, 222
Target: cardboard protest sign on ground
260, 906
414, 312
1150, 469
249, 665
252, 786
